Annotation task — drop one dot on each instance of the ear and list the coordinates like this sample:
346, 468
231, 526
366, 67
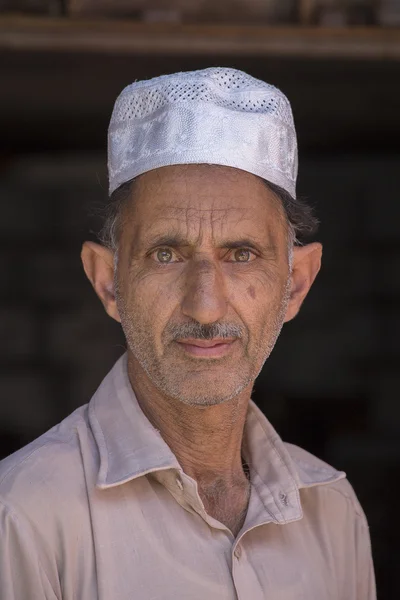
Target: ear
98, 263
306, 264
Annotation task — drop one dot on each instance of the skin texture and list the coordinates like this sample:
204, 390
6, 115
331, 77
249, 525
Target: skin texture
202, 261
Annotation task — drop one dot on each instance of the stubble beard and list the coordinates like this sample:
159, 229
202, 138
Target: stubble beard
178, 383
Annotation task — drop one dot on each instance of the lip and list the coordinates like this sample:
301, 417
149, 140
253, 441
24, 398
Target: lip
215, 348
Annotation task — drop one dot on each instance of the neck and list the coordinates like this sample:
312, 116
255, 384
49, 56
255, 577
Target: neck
207, 441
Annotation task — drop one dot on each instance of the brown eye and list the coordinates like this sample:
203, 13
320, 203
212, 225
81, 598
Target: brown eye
164, 255
242, 255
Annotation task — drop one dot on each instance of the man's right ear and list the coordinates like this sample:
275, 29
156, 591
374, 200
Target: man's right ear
98, 263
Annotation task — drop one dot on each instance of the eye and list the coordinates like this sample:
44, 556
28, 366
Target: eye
164, 255
242, 255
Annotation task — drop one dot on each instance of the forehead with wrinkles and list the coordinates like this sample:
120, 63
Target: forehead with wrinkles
201, 203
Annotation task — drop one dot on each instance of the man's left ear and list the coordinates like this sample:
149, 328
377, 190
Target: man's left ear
305, 267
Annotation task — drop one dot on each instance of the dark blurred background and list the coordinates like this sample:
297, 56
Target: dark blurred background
332, 382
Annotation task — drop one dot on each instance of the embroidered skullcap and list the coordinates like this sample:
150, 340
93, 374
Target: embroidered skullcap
217, 116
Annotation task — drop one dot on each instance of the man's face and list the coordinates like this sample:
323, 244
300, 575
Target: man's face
202, 279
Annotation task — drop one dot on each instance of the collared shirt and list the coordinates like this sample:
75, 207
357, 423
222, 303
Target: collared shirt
99, 508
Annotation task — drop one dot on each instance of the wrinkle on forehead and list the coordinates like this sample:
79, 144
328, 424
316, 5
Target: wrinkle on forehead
203, 200
196, 226
192, 216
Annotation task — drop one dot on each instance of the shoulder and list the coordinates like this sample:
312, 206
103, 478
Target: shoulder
58, 444
320, 482
310, 470
332, 514
44, 516
48, 472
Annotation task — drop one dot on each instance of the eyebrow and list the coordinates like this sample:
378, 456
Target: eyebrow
171, 240
242, 243
179, 241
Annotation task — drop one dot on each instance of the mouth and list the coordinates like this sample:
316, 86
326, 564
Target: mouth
215, 348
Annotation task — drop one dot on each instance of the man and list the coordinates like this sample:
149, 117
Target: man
171, 484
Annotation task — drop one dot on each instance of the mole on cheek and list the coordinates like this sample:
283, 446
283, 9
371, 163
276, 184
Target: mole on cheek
251, 291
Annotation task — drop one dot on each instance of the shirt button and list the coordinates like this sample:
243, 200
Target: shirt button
238, 552
283, 498
179, 483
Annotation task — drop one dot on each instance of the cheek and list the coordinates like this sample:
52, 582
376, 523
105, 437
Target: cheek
252, 292
256, 286
257, 300
151, 302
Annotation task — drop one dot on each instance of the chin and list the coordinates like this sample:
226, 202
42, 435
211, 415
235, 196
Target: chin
203, 401
201, 394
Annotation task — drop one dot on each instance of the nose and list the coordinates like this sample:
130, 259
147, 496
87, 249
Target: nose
205, 295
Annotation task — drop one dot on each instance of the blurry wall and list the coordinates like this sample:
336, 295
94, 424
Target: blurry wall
332, 382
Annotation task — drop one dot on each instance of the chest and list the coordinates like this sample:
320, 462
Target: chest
147, 546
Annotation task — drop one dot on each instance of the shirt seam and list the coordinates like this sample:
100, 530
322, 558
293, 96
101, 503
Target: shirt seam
350, 499
26, 458
88, 430
98, 431
15, 518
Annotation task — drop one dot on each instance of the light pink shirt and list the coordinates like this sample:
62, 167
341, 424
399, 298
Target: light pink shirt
99, 508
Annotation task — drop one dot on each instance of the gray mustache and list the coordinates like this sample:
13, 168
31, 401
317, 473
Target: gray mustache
205, 332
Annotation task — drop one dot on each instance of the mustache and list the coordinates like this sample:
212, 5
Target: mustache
204, 332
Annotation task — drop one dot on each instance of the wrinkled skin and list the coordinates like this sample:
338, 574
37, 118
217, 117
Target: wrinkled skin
223, 236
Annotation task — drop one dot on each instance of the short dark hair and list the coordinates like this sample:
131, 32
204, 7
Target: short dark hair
299, 214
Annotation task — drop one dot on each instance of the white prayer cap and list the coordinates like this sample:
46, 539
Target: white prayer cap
217, 116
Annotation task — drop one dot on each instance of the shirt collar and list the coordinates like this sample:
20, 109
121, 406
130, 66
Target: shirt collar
129, 447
